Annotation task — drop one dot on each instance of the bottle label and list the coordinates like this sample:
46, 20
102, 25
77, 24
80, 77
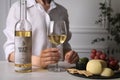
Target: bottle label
23, 50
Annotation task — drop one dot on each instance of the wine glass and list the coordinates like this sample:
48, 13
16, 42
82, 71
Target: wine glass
57, 34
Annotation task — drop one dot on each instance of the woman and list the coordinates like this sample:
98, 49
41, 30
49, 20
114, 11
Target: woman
40, 12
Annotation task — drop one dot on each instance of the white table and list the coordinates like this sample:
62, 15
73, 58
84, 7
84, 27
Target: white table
7, 73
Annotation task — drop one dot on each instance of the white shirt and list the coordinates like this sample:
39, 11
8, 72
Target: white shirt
39, 19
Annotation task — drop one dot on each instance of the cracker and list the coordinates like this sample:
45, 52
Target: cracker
84, 72
72, 70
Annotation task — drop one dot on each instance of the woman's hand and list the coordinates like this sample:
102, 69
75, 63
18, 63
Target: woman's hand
71, 57
49, 56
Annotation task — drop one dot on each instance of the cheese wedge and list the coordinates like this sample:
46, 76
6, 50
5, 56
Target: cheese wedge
107, 72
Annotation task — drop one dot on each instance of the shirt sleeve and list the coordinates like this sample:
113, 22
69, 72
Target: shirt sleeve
9, 31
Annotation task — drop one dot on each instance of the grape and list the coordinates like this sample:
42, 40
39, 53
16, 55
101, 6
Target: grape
103, 56
92, 55
96, 57
117, 67
93, 51
98, 53
110, 60
113, 63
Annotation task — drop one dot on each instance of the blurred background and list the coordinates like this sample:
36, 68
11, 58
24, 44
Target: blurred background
82, 16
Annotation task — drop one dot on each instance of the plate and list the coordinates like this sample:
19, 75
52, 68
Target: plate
116, 75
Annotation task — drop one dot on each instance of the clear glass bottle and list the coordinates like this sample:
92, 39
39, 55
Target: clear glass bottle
23, 41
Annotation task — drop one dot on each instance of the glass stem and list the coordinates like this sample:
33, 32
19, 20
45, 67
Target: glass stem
57, 66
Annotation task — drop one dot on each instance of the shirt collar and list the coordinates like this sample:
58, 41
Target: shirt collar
52, 5
31, 3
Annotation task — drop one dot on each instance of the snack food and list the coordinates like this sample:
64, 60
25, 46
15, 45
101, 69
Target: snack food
96, 66
83, 72
107, 72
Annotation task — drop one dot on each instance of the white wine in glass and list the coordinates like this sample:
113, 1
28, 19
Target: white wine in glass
57, 34
57, 39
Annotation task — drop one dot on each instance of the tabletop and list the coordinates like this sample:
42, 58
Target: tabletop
7, 73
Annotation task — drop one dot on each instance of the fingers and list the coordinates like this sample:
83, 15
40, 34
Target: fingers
72, 57
68, 56
49, 56
45, 61
52, 58
44, 64
50, 50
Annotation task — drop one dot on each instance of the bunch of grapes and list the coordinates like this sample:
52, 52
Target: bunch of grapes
97, 55
111, 61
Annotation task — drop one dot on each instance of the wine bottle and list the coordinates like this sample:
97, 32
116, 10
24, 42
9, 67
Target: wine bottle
23, 41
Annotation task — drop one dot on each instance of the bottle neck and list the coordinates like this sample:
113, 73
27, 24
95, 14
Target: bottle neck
23, 9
